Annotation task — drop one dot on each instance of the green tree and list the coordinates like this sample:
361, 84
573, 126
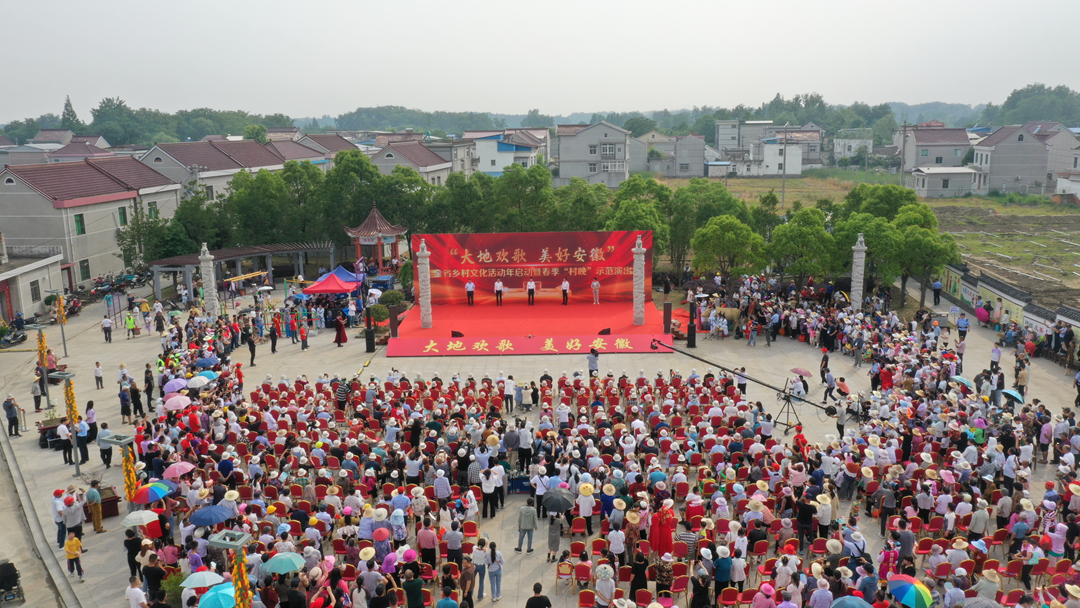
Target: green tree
203, 219
680, 218
916, 214
641, 215
924, 253
637, 188
764, 217
712, 198
883, 129
116, 122
802, 247
256, 206
882, 242
348, 192
69, 119
22, 131
655, 154
139, 239
458, 206
256, 132
535, 119
404, 196
524, 199
727, 245
580, 206
882, 200
277, 121
705, 125
639, 125
302, 184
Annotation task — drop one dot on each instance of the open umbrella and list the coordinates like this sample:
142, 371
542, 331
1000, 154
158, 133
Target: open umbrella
209, 375
964, 381
140, 300
266, 288
301, 296
178, 402
175, 313
798, 371
211, 516
205, 578
171, 395
173, 386
1013, 395
909, 591
219, 596
139, 518
198, 382
153, 491
207, 362
850, 601
284, 563
558, 499
178, 469
377, 292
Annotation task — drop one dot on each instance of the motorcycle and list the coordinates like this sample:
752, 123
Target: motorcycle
15, 337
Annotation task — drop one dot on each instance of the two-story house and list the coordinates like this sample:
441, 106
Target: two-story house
1061, 142
598, 153
931, 146
211, 163
848, 141
534, 135
1013, 159
80, 207
681, 155
432, 167
461, 153
496, 152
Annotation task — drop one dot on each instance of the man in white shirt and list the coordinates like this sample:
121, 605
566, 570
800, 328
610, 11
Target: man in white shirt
531, 287
565, 291
106, 328
498, 292
134, 595
470, 289
64, 434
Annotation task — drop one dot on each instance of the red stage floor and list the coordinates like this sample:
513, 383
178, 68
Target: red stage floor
515, 323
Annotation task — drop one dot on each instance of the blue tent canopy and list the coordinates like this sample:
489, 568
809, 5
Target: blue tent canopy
343, 274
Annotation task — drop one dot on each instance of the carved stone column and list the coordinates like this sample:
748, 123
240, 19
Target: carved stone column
639, 283
858, 270
209, 282
423, 264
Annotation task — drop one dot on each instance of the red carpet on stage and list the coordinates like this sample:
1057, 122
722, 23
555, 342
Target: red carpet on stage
554, 329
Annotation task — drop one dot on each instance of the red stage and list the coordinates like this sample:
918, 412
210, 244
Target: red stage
503, 330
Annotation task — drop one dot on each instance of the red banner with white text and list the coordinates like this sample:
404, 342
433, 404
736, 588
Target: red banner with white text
546, 258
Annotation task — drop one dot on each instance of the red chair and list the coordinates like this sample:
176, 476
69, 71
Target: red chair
936, 525
765, 570
1013, 598
680, 550
427, 597
469, 529
729, 597
598, 545
645, 547
444, 550
583, 573
1040, 569
643, 598
576, 548
1062, 566
999, 538
427, 574
577, 527
626, 574
819, 547
349, 574
924, 546
942, 571
747, 597
1012, 570
586, 598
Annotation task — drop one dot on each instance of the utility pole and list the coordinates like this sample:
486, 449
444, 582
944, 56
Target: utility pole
903, 151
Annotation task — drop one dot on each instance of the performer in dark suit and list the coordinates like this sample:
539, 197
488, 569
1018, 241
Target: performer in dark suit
340, 323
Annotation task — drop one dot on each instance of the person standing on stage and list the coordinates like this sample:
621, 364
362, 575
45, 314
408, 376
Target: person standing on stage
531, 286
340, 323
565, 291
470, 287
595, 290
498, 292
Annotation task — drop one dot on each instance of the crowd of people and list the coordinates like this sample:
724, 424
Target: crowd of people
676, 485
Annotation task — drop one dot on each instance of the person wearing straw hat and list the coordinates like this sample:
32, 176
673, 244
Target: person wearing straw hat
990, 584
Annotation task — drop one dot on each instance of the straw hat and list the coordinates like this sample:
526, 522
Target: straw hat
367, 553
633, 517
232, 495
992, 576
834, 546
493, 440
332, 490
1072, 590
868, 473
586, 489
762, 485
755, 505
931, 474
203, 493
380, 514
608, 489
824, 499
816, 569
927, 458
368, 512
619, 504
1027, 504
417, 492
960, 544
874, 440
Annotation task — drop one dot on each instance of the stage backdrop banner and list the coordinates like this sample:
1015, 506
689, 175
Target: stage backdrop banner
545, 257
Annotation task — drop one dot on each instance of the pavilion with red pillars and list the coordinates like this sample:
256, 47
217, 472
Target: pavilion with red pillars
377, 239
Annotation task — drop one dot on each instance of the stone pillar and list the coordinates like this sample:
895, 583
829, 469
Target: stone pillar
206, 268
423, 265
639, 283
858, 270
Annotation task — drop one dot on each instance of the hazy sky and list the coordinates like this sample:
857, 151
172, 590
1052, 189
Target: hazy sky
561, 56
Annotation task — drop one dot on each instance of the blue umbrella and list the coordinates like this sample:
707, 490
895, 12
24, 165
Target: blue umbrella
202, 579
219, 596
208, 374
211, 516
207, 362
301, 296
850, 601
1014, 395
964, 381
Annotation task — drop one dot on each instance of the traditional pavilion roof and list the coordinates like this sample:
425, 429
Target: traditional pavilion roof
376, 225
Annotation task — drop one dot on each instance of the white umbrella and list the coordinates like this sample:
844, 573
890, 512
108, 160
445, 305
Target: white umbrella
377, 292
139, 518
266, 288
197, 382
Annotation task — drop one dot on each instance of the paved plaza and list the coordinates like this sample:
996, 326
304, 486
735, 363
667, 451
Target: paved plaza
105, 563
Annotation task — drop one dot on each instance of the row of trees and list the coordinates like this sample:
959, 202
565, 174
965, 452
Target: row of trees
701, 220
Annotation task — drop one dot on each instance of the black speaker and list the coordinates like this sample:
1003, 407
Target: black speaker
456, 334
605, 332
691, 334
